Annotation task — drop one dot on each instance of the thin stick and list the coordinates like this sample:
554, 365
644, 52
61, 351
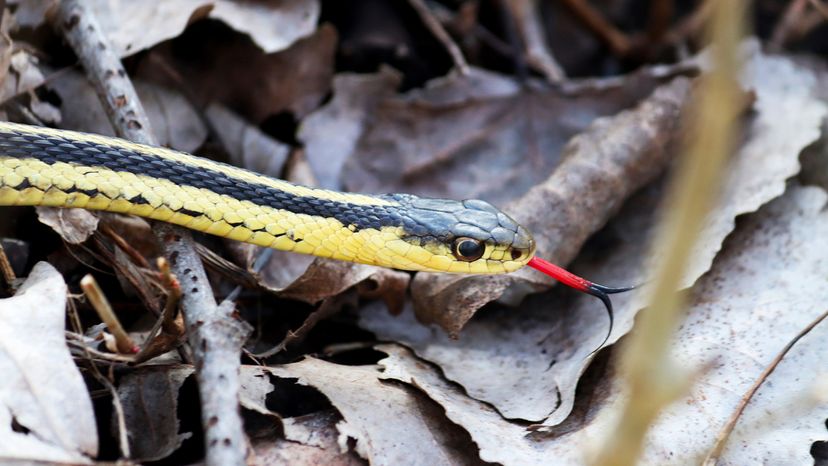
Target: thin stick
217, 362
724, 434
166, 334
787, 24
440, 33
101, 305
820, 7
121, 243
538, 54
617, 41
5, 267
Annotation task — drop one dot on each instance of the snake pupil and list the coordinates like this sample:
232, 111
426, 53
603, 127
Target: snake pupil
467, 249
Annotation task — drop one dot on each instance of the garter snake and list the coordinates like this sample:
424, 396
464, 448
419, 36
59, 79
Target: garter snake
50, 167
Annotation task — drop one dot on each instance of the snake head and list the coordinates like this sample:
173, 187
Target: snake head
469, 236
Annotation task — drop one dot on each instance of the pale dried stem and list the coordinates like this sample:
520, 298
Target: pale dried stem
98, 300
215, 333
653, 378
724, 434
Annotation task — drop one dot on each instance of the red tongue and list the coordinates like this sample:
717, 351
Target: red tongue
570, 279
558, 273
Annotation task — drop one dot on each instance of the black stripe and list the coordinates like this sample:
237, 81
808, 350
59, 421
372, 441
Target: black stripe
51, 149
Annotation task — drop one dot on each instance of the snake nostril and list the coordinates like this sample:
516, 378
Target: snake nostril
516, 254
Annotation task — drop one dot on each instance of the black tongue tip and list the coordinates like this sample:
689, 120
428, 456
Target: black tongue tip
609, 289
601, 292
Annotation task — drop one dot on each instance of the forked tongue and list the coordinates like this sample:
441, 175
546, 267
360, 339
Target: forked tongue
585, 286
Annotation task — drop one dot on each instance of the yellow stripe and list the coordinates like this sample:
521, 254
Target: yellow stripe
220, 214
193, 161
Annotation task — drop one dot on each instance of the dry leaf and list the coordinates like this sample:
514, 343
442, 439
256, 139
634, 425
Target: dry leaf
174, 121
477, 136
254, 84
150, 400
391, 424
742, 313
310, 440
246, 144
273, 24
45, 413
331, 133
546, 344
73, 225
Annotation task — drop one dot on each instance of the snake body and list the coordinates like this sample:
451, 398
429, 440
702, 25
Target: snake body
50, 167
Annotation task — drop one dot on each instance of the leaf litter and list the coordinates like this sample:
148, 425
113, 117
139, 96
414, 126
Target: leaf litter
220, 79
45, 410
548, 363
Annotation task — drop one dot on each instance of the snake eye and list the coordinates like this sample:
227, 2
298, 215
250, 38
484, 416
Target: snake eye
468, 249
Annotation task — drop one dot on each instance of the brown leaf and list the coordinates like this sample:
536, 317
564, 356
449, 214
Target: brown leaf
331, 133
150, 400
256, 85
174, 121
323, 278
477, 136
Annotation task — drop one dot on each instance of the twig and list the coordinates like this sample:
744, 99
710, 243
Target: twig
215, 332
169, 328
721, 438
820, 7
440, 33
6, 268
329, 307
538, 54
691, 24
617, 41
658, 23
653, 378
785, 26
101, 305
121, 243
134, 275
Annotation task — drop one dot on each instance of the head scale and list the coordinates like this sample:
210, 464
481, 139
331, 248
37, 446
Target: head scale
471, 236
